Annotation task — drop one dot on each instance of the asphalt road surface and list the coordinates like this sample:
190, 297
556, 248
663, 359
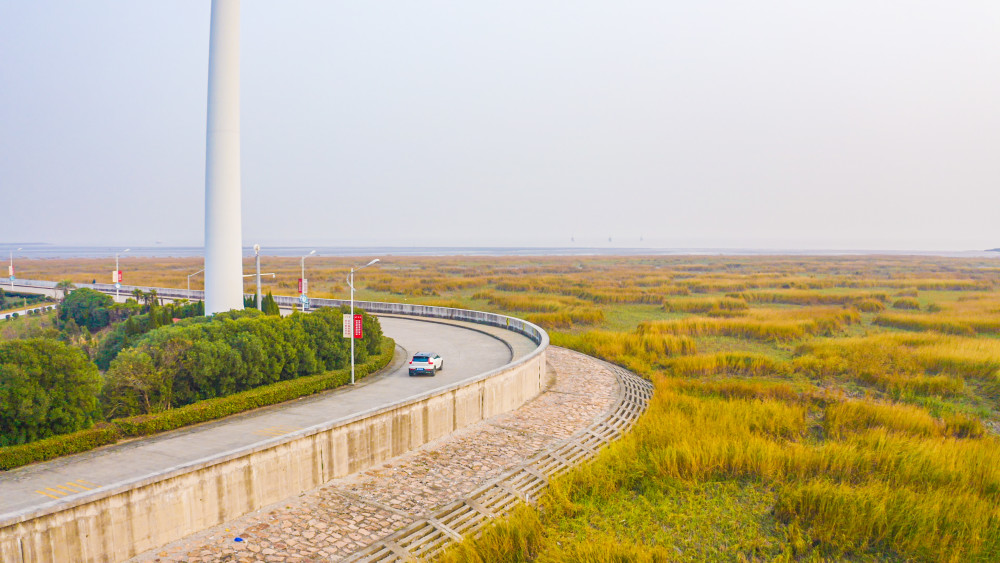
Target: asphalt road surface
468, 350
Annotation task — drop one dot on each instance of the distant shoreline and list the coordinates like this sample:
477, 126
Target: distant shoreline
46, 251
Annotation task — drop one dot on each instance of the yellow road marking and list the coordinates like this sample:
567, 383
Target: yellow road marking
69, 488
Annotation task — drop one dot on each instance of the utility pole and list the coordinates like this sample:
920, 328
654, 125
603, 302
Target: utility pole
189, 281
256, 255
303, 284
11, 269
118, 273
350, 282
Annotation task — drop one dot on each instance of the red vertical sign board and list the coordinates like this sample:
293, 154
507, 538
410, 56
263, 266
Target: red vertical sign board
300, 285
119, 276
357, 326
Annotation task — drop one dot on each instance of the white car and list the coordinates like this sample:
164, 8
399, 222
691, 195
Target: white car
425, 363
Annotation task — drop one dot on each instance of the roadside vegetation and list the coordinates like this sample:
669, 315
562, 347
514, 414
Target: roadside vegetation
12, 300
805, 408
94, 372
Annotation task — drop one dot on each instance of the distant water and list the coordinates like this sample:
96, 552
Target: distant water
53, 251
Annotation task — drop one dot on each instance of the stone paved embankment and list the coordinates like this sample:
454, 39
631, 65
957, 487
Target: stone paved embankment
348, 514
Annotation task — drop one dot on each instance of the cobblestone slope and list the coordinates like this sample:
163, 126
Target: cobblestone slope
345, 515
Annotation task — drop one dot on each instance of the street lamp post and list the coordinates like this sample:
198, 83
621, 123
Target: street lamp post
350, 282
11, 270
189, 280
118, 273
258, 275
302, 281
256, 259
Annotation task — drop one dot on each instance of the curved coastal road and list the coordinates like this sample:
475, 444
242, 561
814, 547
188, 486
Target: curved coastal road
468, 350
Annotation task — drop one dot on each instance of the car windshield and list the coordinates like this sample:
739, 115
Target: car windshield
419, 358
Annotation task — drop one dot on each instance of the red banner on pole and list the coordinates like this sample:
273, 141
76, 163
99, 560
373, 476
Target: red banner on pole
119, 276
358, 326
300, 285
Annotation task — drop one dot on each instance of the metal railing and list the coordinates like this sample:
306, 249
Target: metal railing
533, 332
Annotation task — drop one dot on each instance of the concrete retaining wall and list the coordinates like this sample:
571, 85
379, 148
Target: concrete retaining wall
117, 522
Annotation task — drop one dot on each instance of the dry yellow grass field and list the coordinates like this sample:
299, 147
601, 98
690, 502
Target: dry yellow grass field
806, 408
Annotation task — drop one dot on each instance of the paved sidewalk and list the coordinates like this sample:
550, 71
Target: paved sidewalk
348, 514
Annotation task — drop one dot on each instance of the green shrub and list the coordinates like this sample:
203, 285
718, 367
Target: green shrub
65, 444
127, 333
88, 308
211, 409
203, 358
14, 299
148, 424
46, 388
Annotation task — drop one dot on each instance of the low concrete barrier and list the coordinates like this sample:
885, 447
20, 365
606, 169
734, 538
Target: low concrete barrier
120, 521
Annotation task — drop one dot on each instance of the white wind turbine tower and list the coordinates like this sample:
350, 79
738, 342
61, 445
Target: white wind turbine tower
223, 220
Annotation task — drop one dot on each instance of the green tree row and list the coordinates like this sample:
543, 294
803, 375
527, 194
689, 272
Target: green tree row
268, 304
94, 310
202, 358
11, 299
158, 360
129, 332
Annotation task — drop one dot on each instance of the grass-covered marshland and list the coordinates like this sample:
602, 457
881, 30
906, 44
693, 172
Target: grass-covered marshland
835, 408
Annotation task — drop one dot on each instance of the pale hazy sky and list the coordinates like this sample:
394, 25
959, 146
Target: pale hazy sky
838, 124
